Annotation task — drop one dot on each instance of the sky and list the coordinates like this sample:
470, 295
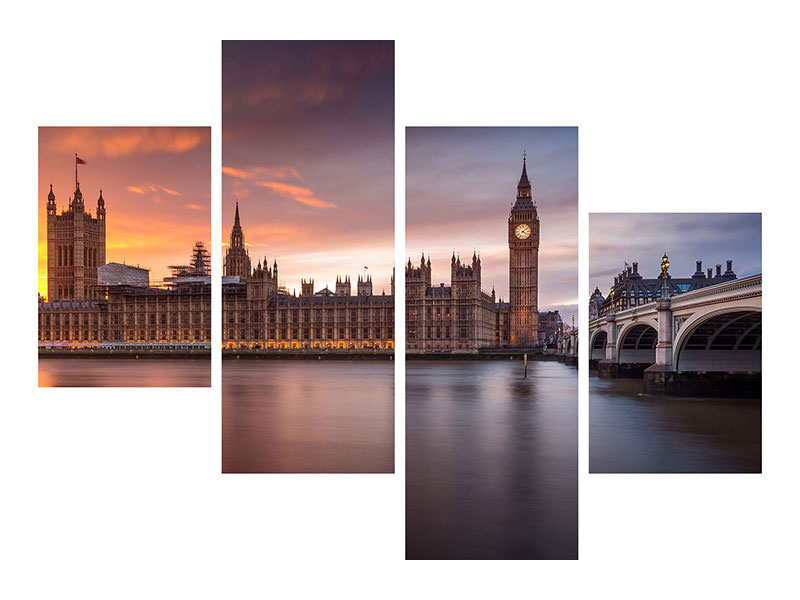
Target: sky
308, 151
156, 184
617, 238
461, 184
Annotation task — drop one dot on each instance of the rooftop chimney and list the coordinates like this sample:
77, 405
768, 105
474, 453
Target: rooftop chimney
729, 272
709, 271
699, 272
636, 267
719, 271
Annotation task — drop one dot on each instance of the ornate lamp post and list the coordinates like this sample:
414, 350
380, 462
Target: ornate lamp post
663, 306
665, 276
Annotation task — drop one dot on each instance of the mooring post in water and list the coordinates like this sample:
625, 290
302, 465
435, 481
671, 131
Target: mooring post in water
525, 362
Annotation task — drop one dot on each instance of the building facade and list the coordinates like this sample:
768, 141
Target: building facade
76, 246
462, 317
120, 308
258, 313
630, 289
550, 325
130, 313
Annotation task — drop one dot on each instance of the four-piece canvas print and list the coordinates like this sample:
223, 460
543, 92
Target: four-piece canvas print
488, 290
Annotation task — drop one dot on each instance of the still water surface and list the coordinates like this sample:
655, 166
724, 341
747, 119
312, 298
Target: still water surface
491, 460
124, 372
631, 432
299, 416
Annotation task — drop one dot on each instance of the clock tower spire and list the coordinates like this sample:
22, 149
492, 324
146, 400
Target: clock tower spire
523, 263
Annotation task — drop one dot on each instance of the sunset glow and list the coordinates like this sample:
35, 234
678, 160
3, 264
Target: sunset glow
155, 182
308, 151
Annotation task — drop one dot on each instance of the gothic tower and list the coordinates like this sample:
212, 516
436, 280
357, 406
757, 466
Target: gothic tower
523, 264
76, 246
237, 259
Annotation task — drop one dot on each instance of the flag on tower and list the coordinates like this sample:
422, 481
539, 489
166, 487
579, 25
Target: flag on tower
79, 160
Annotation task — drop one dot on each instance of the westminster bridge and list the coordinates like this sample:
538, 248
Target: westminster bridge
706, 342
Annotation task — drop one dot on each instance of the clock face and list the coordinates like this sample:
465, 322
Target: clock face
523, 231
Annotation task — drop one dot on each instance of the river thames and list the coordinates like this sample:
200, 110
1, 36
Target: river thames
632, 432
491, 460
124, 372
307, 416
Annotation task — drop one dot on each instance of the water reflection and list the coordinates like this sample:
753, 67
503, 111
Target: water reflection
307, 416
491, 460
124, 372
630, 432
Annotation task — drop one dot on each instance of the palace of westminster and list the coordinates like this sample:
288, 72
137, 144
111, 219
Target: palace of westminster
462, 317
90, 302
258, 313
93, 303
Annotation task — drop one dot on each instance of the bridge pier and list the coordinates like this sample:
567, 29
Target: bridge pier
660, 376
607, 367
571, 357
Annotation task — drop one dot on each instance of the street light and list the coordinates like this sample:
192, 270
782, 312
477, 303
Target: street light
664, 276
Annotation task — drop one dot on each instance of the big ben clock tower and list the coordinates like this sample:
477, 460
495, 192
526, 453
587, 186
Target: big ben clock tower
523, 264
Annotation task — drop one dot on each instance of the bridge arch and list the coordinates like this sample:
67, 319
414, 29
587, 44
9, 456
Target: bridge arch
727, 340
598, 345
636, 343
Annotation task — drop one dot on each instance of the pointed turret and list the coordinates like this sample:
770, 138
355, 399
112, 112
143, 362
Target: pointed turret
51, 202
523, 179
101, 207
524, 189
237, 237
77, 200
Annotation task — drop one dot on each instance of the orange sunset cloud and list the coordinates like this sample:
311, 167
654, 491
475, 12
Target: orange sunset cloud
126, 141
296, 193
281, 172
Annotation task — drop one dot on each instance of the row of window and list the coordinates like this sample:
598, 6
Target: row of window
90, 335
65, 319
65, 256
281, 316
367, 333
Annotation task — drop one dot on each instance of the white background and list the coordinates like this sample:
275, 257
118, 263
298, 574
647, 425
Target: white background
116, 493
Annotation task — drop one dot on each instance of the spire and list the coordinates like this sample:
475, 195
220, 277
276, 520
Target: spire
100, 201
237, 237
523, 180
51, 197
524, 189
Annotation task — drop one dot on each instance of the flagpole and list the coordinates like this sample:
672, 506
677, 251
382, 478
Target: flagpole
76, 170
